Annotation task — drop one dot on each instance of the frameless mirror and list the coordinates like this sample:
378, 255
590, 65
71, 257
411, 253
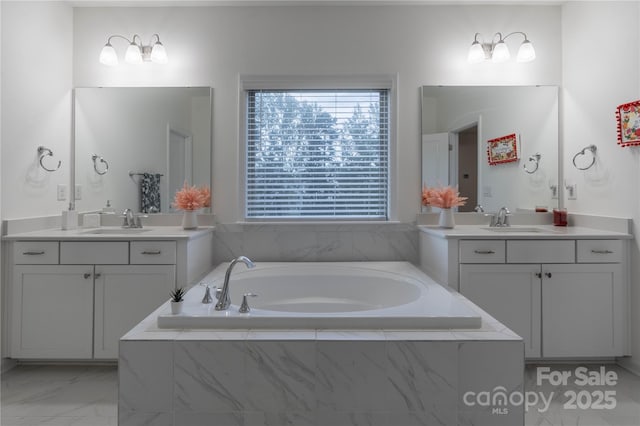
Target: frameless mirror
461, 123
136, 146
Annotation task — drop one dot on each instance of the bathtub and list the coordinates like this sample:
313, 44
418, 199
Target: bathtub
326, 295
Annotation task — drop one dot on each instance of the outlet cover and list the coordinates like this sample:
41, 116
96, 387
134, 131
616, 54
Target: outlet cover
78, 192
572, 192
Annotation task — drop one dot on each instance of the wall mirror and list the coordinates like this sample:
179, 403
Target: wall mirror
134, 144
460, 123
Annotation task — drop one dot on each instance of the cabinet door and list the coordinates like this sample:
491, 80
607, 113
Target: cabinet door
509, 293
52, 312
583, 312
125, 295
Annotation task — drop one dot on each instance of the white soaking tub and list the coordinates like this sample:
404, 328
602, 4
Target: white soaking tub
326, 295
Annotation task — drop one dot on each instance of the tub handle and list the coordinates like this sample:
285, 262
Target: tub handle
244, 308
206, 299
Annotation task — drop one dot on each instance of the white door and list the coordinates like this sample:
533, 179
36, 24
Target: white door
52, 311
179, 162
509, 293
435, 159
125, 295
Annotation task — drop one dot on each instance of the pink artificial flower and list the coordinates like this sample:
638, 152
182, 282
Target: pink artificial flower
189, 198
443, 197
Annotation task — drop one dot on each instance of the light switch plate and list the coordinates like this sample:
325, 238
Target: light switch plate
62, 192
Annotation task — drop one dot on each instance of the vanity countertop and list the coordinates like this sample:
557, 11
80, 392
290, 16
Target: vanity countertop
522, 232
113, 233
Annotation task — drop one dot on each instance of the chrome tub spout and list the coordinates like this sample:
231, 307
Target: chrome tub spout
224, 300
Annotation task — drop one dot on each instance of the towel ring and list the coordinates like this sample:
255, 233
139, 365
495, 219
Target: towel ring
96, 158
535, 159
46, 152
593, 150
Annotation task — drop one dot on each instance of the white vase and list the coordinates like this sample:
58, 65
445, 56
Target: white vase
190, 219
176, 307
446, 219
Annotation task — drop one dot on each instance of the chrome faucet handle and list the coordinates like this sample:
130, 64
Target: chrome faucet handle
478, 209
207, 299
244, 307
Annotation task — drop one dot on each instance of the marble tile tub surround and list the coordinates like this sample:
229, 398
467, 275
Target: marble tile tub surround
316, 377
322, 242
316, 382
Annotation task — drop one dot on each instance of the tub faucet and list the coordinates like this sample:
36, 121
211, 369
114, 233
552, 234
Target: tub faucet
223, 300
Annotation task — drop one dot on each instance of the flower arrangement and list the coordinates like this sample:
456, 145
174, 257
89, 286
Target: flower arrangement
444, 197
192, 198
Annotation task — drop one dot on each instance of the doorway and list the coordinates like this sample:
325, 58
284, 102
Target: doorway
467, 168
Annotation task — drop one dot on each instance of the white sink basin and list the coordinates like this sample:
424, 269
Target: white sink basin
116, 231
508, 229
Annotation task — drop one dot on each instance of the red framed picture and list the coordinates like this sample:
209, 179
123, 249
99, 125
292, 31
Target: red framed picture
628, 116
502, 150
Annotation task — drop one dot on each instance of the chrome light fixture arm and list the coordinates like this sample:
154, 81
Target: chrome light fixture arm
137, 52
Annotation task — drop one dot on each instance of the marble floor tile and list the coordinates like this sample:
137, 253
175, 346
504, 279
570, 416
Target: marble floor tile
59, 396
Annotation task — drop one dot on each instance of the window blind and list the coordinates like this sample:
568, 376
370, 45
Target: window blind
317, 154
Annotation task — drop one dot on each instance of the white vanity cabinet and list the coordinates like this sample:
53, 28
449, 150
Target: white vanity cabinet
52, 312
566, 298
124, 296
88, 295
509, 293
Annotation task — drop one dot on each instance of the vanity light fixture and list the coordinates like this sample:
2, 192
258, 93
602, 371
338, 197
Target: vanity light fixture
136, 53
497, 51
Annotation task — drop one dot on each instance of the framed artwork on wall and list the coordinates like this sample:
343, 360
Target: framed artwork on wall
502, 150
628, 117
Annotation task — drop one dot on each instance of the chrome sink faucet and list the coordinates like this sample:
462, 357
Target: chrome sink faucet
131, 220
224, 300
502, 217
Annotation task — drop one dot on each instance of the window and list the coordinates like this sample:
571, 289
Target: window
317, 154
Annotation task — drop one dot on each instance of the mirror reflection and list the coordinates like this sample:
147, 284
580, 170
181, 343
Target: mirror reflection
468, 140
136, 146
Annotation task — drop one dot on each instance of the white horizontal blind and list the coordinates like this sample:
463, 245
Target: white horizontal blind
317, 154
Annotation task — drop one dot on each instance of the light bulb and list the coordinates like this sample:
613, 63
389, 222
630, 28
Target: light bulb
159, 54
108, 55
500, 52
476, 53
133, 54
526, 53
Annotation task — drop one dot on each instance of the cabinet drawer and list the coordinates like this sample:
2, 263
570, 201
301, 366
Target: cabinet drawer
92, 252
153, 252
541, 251
599, 251
482, 251
35, 252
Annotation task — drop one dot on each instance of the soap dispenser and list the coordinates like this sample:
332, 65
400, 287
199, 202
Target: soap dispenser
107, 209
69, 218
